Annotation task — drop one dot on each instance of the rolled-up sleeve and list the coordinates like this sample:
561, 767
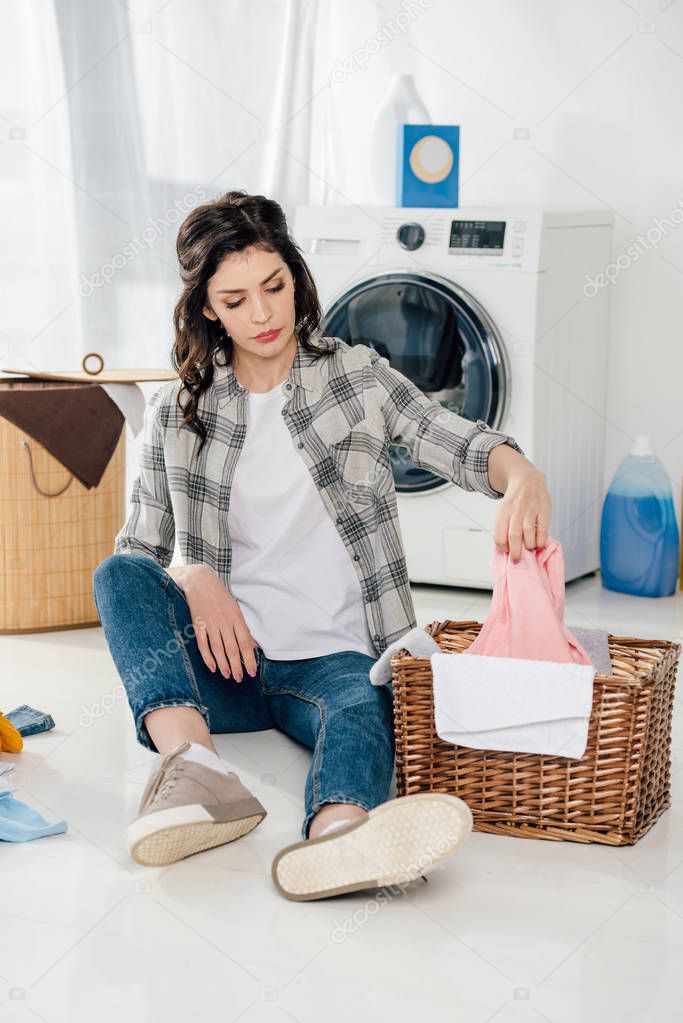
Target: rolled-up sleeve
150, 527
438, 440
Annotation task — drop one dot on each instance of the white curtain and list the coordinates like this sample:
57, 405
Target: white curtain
119, 120
40, 310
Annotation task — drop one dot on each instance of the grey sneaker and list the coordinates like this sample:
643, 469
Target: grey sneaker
187, 808
396, 843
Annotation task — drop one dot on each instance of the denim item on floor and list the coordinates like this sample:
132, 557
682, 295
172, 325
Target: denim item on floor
20, 823
327, 703
27, 720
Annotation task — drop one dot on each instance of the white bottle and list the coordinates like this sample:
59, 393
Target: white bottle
401, 106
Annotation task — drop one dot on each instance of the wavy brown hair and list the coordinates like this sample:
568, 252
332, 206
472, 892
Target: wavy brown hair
229, 224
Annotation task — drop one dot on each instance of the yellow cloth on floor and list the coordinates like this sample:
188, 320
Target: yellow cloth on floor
10, 739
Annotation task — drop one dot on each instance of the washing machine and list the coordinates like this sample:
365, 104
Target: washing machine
489, 311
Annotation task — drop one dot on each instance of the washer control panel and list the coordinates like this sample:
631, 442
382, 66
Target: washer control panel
477, 237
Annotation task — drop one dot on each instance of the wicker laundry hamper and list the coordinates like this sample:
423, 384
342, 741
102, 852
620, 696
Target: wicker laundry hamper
54, 531
613, 794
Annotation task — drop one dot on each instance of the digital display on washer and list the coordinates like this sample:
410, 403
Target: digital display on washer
479, 235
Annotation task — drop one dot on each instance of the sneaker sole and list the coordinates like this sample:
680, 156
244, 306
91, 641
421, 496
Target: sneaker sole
396, 843
170, 835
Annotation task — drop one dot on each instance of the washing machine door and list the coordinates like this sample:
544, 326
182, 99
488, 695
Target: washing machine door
438, 336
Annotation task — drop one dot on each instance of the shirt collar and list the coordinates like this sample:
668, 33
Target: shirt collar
307, 369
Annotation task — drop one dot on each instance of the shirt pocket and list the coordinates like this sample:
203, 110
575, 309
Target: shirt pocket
361, 458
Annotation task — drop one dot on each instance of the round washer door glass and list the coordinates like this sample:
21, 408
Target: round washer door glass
437, 335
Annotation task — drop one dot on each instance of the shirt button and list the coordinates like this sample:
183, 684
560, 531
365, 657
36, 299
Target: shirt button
356, 557
376, 638
284, 412
300, 444
288, 387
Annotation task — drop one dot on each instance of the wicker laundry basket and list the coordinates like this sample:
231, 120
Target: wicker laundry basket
51, 545
613, 794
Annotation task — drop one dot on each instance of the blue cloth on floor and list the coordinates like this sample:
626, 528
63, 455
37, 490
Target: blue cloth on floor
20, 823
27, 720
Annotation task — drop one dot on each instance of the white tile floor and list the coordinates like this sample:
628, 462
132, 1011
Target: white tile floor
508, 930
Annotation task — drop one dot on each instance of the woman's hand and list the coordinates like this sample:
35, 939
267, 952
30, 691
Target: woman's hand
221, 631
524, 514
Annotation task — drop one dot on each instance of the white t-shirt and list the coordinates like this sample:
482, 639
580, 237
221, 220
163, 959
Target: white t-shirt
291, 573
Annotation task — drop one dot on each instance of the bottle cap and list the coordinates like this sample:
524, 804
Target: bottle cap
642, 446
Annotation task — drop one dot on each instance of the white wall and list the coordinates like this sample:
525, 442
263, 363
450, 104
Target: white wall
598, 84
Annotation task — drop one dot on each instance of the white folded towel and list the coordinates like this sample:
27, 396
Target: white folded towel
417, 642
507, 703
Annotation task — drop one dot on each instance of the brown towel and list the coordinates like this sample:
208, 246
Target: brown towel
79, 424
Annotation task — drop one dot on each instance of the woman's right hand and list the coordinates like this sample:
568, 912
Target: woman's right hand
221, 631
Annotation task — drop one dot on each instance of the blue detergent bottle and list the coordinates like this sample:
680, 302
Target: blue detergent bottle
639, 542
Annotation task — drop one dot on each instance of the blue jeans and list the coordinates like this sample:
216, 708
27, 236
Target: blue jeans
327, 703
29, 721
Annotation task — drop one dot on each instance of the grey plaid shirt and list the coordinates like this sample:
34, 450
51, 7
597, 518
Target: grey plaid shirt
344, 409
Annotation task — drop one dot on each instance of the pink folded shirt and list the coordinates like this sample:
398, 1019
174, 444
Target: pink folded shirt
526, 619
